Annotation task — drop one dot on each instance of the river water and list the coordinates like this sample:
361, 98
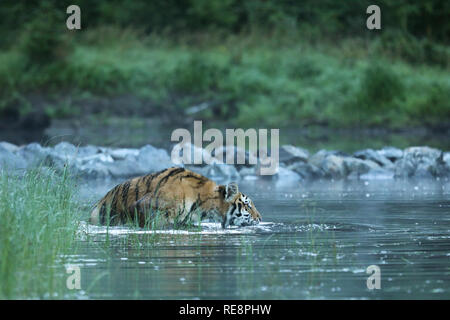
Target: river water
316, 241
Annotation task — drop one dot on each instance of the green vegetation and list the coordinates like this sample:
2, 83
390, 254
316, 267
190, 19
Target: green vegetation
39, 219
259, 63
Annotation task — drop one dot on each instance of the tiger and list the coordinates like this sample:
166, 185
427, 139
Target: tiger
181, 195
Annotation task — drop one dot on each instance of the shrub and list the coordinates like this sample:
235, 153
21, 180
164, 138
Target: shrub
197, 74
379, 88
412, 50
41, 40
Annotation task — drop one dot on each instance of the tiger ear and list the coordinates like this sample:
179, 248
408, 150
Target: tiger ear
231, 190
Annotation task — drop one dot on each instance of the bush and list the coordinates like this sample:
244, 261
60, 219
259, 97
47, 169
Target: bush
379, 88
197, 74
41, 40
432, 107
412, 50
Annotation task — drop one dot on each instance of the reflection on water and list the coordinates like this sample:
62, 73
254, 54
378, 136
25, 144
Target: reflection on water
316, 241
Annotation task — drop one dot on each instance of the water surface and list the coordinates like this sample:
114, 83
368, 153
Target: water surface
316, 242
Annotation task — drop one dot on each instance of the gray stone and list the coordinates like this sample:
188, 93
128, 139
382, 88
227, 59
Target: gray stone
195, 153
318, 158
65, 149
286, 176
126, 153
446, 163
125, 169
152, 159
216, 171
100, 162
96, 170
9, 146
446, 158
307, 171
33, 153
289, 154
357, 167
369, 154
391, 153
11, 161
333, 167
89, 150
249, 159
95, 158
420, 162
222, 171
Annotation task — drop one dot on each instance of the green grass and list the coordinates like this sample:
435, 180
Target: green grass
247, 79
39, 219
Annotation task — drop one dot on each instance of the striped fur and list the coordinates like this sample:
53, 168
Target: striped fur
180, 195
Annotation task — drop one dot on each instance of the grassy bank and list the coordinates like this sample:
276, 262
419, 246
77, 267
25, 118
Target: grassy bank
38, 223
248, 79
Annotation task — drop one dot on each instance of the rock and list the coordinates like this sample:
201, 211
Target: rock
179, 158
391, 153
286, 176
420, 162
369, 154
249, 159
357, 167
125, 169
88, 151
333, 167
216, 171
307, 171
289, 154
95, 166
124, 153
446, 164
95, 170
11, 161
65, 149
9, 146
33, 153
101, 162
446, 157
96, 158
318, 158
152, 159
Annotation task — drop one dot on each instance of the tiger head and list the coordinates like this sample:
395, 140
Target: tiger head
240, 209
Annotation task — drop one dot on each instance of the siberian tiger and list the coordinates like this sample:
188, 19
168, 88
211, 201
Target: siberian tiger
178, 195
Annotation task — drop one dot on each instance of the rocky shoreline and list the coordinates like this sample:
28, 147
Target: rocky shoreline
296, 164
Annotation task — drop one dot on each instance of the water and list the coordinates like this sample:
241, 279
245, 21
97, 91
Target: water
316, 242
136, 132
